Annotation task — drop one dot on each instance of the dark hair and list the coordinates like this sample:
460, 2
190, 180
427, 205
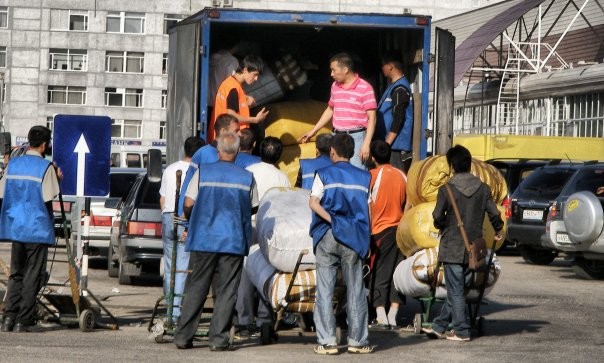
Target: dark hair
380, 150
223, 122
394, 59
323, 143
343, 145
38, 135
192, 144
344, 60
270, 149
460, 159
252, 62
246, 139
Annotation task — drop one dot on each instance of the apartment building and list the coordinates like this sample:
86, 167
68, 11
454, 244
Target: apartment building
109, 57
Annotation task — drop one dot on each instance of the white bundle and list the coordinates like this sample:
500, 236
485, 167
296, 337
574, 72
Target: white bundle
282, 225
259, 271
413, 276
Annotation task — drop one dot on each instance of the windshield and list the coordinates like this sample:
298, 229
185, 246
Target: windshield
588, 179
544, 183
120, 184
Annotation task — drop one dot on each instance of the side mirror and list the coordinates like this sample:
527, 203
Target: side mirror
154, 165
112, 203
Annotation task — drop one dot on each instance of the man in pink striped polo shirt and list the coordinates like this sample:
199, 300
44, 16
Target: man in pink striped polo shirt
351, 108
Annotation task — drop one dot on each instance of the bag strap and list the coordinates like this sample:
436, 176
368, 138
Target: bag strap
462, 229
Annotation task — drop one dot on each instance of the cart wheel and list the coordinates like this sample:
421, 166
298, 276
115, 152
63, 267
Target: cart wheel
87, 320
481, 326
159, 338
417, 323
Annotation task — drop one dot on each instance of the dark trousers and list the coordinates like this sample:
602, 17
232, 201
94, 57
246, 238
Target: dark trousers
225, 282
401, 160
27, 276
386, 257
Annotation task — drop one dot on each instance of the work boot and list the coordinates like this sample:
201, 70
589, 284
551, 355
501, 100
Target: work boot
8, 324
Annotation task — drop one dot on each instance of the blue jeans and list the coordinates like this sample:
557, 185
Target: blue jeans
330, 254
182, 261
454, 308
358, 138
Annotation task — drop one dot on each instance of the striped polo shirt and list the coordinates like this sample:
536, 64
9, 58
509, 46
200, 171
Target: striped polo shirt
350, 105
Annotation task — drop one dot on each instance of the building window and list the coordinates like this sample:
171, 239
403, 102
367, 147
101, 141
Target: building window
50, 122
2, 57
162, 130
170, 20
131, 129
3, 93
131, 62
164, 98
68, 59
67, 95
124, 22
3, 17
74, 20
164, 64
124, 97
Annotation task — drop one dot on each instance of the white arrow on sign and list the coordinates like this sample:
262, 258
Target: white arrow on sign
81, 149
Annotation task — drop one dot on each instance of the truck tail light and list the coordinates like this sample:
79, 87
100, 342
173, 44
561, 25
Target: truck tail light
507, 204
148, 229
100, 221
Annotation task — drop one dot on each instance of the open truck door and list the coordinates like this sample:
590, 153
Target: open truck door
183, 88
443, 91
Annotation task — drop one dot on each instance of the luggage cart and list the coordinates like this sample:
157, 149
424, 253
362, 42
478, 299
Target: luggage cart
268, 331
477, 322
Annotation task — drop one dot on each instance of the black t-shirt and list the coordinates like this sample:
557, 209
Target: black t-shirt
400, 96
233, 100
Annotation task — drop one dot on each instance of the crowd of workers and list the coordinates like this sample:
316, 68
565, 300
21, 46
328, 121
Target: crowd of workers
357, 188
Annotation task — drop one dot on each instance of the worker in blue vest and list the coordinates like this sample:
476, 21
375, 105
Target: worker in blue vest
308, 167
340, 230
219, 203
27, 190
395, 113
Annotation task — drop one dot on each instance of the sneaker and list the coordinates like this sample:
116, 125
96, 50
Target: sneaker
366, 349
451, 335
326, 349
433, 334
376, 325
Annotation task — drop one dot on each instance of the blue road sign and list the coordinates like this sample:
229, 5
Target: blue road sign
82, 149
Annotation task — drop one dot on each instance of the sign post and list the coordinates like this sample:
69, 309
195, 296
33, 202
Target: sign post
82, 148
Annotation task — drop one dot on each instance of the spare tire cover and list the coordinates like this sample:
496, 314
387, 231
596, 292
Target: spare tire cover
583, 217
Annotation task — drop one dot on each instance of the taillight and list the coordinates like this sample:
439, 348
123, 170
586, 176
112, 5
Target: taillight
149, 229
100, 221
553, 211
507, 204
56, 206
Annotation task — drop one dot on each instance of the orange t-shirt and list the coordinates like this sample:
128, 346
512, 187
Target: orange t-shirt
387, 197
220, 105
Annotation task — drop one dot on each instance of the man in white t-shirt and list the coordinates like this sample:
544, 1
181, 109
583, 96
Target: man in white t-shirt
267, 176
167, 203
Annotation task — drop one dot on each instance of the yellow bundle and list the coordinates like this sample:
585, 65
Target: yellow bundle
427, 176
416, 229
289, 163
288, 121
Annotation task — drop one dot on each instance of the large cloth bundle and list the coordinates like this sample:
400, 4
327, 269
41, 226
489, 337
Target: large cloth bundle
259, 271
416, 229
288, 121
289, 163
266, 89
413, 276
427, 176
282, 224
303, 293
290, 74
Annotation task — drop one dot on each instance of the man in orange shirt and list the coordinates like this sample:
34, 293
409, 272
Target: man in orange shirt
387, 200
231, 98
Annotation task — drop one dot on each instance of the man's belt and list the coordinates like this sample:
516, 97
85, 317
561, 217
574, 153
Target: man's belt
351, 131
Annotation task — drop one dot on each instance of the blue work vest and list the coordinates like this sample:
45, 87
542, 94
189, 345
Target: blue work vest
308, 168
24, 217
345, 198
244, 160
384, 118
221, 218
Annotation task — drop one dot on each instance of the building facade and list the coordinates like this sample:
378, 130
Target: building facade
109, 57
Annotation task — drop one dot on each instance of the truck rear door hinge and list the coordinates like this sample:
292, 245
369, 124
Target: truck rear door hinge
202, 50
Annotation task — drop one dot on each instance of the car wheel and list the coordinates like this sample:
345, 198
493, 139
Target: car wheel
537, 256
112, 266
589, 269
124, 279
